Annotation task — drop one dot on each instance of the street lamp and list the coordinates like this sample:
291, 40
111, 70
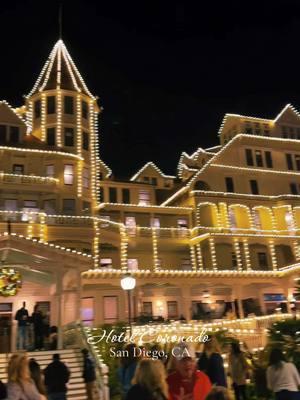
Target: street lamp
128, 283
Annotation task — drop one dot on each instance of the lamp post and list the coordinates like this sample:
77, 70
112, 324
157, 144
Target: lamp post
128, 283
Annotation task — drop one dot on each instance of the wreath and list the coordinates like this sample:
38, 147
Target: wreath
10, 281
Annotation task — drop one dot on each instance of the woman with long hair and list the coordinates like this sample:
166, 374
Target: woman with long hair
20, 385
211, 362
127, 368
149, 381
282, 377
238, 370
36, 376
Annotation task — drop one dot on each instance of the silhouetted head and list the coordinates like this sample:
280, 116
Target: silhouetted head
276, 357
24, 304
85, 352
56, 357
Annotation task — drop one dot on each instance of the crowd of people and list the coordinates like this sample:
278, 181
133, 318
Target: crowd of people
27, 381
184, 377
33, 329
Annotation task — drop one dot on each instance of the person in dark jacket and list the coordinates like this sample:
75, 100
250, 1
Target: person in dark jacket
211, 362
22, 318
37, 319
89, 374
57, 376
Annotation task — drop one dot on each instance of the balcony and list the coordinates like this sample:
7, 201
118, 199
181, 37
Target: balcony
33, 182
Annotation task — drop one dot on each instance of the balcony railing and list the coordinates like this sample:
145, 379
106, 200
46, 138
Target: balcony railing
27, 179
144, 232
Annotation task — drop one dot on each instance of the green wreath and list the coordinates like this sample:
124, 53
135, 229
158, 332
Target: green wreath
10, 282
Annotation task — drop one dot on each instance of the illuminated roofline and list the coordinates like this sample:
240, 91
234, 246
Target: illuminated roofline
60, 51
151, 164
60, 153
210, 161
288, 106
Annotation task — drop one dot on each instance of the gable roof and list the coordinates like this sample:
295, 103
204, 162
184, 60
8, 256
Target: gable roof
60, 72
288, 108
9, 115
155, 168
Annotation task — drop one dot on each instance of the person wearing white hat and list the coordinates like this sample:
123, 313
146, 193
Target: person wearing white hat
186, 383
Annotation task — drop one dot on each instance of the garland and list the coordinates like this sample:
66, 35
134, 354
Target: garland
10, 281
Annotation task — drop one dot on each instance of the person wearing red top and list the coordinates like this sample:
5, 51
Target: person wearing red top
186, 383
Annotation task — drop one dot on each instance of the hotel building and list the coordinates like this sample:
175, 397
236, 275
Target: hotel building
220, 236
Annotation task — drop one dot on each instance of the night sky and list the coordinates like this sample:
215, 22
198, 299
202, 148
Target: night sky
165, 72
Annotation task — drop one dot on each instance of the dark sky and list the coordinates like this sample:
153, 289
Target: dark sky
166, 72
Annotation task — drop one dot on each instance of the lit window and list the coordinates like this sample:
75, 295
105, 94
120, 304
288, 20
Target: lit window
69, 137
144, 198
182, 223
29, 206
87, 311
68, 174
130, 223
85, 178
105, 262
132, 264
50, 171
155, 222
289, 221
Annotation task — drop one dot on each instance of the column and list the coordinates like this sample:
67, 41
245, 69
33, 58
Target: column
155, 250
199, 256
193, 257
237, 251
273, 255
247, 254
78, 297
59, 305
212, 247
124, 245
186, 302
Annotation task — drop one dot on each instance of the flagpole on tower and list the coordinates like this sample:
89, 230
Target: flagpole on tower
60, 20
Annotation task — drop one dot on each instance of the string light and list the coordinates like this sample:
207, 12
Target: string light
151, 165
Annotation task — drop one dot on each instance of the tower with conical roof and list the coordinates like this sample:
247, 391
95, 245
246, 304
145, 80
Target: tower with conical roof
62, 112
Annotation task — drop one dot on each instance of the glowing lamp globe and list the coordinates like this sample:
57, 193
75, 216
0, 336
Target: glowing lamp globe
128, 283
